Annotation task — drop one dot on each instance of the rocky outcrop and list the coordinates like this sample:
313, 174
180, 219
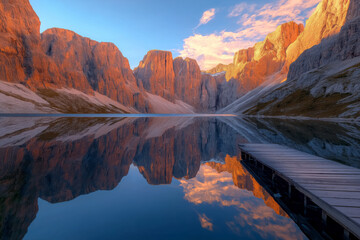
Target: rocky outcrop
209, 93
177, 79
21, 58
251, 67
62, 59
323, 81
156, 74
188, 81
326, 21
341, 47
88, 65
220, 68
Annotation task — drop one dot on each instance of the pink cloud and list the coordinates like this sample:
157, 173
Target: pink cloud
207, 17
254, 24
240, 8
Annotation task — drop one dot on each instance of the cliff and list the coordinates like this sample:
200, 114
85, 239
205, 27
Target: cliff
177, 79
326, 21
60, 59
323, 81
251, 67
156, 74
88, 65
188, 81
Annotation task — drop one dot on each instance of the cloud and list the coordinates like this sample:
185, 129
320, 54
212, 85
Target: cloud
206, 222
253, 23
207, 17
231, 187
240, 8
210, 50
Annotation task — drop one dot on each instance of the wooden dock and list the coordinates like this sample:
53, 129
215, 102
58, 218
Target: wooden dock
332, 186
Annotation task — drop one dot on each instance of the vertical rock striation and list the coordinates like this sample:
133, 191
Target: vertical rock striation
324, 80
88, 65
156, 74
61, 59
326, 21
251, 67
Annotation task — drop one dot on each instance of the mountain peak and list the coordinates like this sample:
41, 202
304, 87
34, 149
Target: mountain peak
327, 20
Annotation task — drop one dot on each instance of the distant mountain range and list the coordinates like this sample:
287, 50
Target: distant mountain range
296, 71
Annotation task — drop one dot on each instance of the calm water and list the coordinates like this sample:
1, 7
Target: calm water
149, 178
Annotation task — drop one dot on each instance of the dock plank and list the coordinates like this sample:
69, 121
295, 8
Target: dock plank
334, 187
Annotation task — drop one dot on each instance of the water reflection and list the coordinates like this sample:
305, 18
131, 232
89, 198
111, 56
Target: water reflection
59, 159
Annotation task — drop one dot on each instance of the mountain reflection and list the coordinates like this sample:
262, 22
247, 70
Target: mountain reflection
59, 159
217, 183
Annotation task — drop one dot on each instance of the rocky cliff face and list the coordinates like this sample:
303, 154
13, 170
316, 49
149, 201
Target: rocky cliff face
19, 35
318, 77
323, 81
62, 59
88, 65
177, 79
188, 81
21, 58
252, 66
326, 21
156, 74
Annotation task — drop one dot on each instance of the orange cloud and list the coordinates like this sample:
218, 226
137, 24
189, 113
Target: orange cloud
214, 184
254, 22
206, 222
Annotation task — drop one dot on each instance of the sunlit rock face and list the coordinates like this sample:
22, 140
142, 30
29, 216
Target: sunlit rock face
156, 74
252, 66
343, 46
60, 58
323, 81
188, 81
177, 79
21, 58
88, 65
327, 20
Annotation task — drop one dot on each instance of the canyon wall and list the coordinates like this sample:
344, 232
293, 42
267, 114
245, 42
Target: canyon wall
62, 59
251, 67
177, 79
323, 81
88, 65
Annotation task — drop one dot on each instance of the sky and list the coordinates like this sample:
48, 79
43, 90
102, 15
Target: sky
210, 31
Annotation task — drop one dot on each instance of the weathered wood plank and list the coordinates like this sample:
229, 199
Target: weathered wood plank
343, 202
357, 220
326, 187
351, 212
331, 185
336, 194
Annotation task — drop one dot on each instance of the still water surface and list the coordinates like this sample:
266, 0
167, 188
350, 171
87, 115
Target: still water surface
150, 178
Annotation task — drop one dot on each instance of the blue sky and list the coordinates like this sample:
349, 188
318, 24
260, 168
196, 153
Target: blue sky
138, 26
